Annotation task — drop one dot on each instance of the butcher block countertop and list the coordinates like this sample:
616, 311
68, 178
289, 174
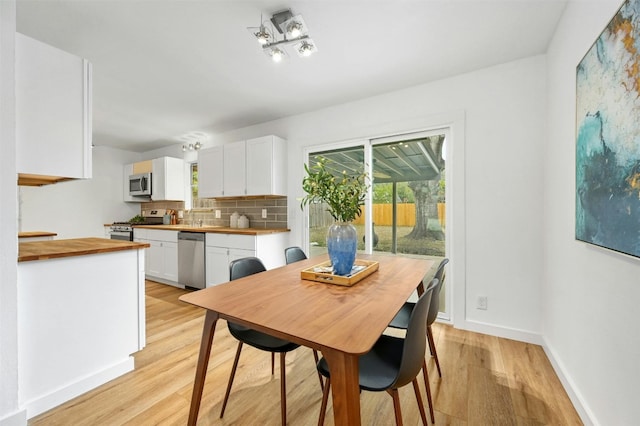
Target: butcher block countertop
41, 250
216, 229
33, 234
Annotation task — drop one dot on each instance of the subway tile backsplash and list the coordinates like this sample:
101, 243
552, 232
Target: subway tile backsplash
204, 209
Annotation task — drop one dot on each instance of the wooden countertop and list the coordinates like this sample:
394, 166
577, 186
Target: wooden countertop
41, 250
33, 234
216, 229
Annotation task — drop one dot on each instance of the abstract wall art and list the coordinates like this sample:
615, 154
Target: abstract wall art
608, 136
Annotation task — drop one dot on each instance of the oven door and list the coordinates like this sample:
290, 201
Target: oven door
121, 235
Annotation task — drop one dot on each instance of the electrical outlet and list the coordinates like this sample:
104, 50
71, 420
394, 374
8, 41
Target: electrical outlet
218, 214
482, 303
264, 213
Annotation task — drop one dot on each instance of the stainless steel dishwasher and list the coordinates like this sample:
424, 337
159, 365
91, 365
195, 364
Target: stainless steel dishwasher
191, 263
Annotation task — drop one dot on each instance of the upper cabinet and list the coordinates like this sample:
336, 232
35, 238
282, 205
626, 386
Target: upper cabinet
53, 114
167, 179
266, 166
210, 172
245, 168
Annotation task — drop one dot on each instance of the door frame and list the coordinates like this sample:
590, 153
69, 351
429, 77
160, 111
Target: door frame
455, 232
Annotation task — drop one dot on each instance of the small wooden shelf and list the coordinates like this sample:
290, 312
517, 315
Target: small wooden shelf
315, 273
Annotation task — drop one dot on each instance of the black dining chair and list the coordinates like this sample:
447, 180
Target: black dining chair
241, 268
294, 254
392, 362
401, 320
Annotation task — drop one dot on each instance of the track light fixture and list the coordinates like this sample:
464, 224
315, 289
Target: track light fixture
192, 147
293, 30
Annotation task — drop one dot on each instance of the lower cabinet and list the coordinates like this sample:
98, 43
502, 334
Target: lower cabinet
222, 249
161, 260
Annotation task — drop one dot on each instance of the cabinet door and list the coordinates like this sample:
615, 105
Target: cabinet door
217, 259
53, 111
235, 254
167, 179
170, 261
155, 257
210, 172
266, 166
235, 169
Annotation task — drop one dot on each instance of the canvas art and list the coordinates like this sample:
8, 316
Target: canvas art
608, 136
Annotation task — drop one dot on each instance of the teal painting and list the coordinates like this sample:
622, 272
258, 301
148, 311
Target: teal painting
608, 136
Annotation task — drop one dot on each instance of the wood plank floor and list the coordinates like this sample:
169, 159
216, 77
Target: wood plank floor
486, 381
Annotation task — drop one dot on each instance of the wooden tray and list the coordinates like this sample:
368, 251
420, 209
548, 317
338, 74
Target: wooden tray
312, 273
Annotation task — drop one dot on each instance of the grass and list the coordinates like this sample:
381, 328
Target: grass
426, 246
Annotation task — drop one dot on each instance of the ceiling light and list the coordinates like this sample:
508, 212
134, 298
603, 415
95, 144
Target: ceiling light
192, 147
293, 30
261, 33
276, 54
305, 48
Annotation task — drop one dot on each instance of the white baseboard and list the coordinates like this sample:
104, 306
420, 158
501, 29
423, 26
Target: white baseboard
84, 384
19, 418
507, 333
579, 403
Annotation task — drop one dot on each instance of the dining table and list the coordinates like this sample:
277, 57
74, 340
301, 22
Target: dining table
342, 322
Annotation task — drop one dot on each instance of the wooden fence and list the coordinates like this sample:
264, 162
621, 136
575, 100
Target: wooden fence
382, 215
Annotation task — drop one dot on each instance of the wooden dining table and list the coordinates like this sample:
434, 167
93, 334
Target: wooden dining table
342, 322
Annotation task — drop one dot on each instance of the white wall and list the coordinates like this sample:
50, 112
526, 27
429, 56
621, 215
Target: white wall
10, 412
590, 295
80, 208
504, 130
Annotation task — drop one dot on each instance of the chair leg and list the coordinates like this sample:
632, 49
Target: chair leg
396, 405
315, 357
325, 400
283, 390
432, 345
425, 374
273, 358
231, 377
416, 390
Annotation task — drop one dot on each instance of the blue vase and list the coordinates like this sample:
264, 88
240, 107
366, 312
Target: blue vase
342, 242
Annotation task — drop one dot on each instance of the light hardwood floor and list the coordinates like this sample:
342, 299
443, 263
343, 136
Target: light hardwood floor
486, 381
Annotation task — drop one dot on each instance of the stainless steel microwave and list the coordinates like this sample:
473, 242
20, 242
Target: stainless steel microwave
140, 185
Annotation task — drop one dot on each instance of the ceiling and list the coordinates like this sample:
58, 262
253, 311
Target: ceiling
172, 71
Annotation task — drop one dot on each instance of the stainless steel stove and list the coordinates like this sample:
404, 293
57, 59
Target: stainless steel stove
121, 231
124, 230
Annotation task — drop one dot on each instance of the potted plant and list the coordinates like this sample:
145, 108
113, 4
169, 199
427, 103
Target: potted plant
344, 195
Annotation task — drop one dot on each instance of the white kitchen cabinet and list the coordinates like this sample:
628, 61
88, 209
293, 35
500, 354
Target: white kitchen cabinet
221, 249
234, 169
53, 113
221, 171
210, 175
167, 179
253, 167
266, 166
161, 261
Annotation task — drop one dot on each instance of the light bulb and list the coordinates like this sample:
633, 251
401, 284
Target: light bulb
306, 49
276, 55
295, 29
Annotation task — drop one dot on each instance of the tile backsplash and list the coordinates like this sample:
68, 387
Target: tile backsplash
205, 209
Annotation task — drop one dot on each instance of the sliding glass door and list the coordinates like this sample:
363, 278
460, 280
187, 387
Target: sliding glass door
405, 213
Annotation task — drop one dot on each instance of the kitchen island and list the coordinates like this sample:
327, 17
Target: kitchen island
81, 316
